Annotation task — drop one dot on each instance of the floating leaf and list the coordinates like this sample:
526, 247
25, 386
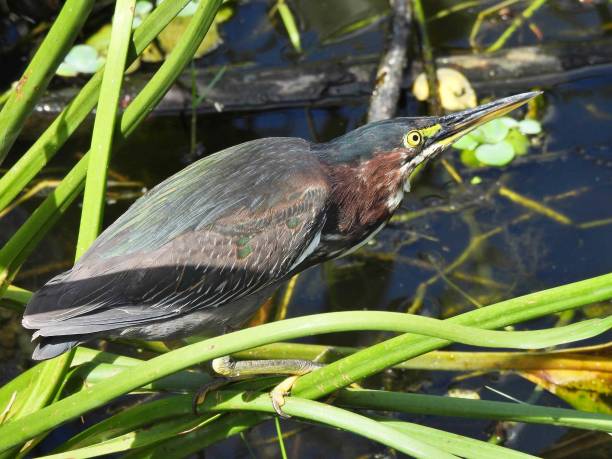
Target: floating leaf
64, 70
169, 37
143, 8
81, 59
519, 142
189, 9
494, 131
476, 180
498, 154
530, 127
468, 157
467, 142
455, 90
478, 135
510, 122
100, 39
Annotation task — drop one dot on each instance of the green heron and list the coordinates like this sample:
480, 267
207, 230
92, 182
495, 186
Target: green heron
200, 252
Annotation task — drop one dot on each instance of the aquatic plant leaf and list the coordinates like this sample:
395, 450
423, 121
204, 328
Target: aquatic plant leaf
66, 71
494, 131
476, 180
169, 37
82, 59
478, 135
530, 127
100, 39
467, 142
468, 158
584, 390
456, 92
498, 154
143, 8
518, 140
510, 122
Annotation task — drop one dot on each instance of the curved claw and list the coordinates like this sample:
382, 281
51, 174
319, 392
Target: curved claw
279, 393
200, 395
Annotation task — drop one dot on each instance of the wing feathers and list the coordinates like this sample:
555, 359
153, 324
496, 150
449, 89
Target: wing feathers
210, 235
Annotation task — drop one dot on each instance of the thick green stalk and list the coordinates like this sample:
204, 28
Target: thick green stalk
41, 69
14, 298
456, 444
104, 126
395, 350
198, 439
235, 400
475, 409
96, 185
94, 396
568, 359
79, 108
326, 414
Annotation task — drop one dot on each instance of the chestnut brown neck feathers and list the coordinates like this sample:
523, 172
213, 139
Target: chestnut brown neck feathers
365, 193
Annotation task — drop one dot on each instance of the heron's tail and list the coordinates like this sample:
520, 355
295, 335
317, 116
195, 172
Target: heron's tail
48, 347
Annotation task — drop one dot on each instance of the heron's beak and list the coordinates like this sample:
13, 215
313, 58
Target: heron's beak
456, 125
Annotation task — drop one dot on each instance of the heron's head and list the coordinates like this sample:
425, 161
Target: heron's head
406, 143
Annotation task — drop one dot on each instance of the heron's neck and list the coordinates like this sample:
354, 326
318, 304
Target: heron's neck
365, 194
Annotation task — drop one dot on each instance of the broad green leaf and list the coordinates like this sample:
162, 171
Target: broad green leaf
530, 127
100, 39
494, 131
498, 154
189, 9
83, 59
468, 157
518, 141
478, 135
510, 122
467, 142
143, 7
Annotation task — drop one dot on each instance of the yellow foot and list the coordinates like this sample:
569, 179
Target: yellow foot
279, 393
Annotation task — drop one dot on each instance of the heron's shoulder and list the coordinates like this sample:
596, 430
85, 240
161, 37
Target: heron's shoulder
252, 175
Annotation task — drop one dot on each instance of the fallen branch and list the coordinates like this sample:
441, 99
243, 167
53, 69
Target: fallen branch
389, 77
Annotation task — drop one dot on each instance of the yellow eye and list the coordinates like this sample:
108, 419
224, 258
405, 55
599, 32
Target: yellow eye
413, 139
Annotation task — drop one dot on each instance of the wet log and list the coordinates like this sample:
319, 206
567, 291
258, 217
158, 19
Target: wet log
335, 83
388, 82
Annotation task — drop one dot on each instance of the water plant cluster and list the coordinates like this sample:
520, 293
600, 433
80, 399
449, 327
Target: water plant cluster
497, 142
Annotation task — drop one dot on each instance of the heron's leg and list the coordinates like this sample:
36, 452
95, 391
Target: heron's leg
231, 370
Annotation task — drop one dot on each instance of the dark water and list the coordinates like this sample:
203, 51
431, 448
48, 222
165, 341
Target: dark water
571, 170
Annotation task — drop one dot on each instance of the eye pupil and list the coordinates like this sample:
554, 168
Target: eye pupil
413, 139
